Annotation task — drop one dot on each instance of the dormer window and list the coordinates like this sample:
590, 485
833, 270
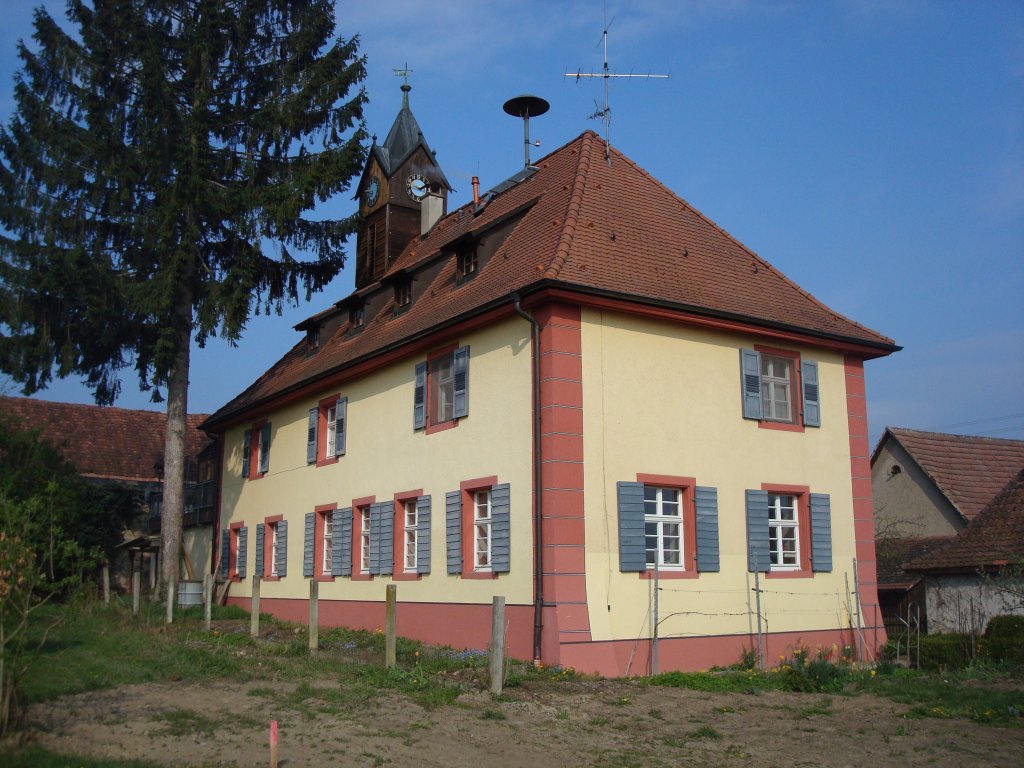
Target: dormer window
313, 337
466, 262
403, 294
357, 315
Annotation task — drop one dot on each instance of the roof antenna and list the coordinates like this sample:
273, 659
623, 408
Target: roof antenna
605, 114
526, 107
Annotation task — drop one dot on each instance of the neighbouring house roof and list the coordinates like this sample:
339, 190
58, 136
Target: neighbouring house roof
995, 537
891, 554
579, 223
104, 442
967, 470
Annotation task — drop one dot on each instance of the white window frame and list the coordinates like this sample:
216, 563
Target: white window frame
441, 383
233, 550
364, 539
328, 543
661, 513
777, 388
411, 515
332, 431
779, 504
483, 520
273, 548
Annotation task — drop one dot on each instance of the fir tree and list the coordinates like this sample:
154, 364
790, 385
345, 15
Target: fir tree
153, 179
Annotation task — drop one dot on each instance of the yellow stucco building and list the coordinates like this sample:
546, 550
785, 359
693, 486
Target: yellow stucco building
576, 392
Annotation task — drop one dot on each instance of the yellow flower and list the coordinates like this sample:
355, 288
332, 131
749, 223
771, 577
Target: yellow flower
873, 673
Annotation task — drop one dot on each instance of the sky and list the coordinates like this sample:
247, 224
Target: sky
871, 150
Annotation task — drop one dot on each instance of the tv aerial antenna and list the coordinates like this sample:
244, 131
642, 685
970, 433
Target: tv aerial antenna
604, 114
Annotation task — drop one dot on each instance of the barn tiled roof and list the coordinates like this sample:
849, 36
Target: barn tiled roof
104, 442
995, 537
891, 554
579, 223
967, 470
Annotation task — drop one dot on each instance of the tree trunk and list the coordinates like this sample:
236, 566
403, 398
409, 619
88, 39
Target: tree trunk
173, 507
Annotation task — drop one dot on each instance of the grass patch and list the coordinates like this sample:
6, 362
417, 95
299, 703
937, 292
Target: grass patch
185, 722
492, 714
949, 696
37, 757
705, 732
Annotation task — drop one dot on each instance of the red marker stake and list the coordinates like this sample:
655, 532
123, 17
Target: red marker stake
273, 744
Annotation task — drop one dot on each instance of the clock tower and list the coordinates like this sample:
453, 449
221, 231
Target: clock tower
398, 175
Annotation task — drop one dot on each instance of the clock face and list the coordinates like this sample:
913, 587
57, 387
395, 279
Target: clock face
416, 186
372, 192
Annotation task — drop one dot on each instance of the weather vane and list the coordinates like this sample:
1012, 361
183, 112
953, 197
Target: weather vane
605, 113
404, 72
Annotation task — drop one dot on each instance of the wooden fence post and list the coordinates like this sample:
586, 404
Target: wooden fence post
106, 583
389, 625
207, 600
496, 657
136, 589
314, 616
254, 608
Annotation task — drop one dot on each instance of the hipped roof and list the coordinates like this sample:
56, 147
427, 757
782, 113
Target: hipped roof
590, 225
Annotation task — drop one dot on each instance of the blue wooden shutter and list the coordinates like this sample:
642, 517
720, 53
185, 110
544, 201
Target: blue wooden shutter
308, 544
243, 550
314, 417
225, 553
374, 564
812, 406
632, 546
265, 449
341, 554
501, 533
821, 533
419, 400
423, 534
460, 376
453, 530
246, 451
758, 553
259, 549
706, 501
750, 379
282, 548
386, 546
340, 425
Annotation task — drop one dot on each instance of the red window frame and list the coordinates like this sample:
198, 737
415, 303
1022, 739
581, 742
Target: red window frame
430, 398
255, 435
319, 525
323, 407
685, 486
358, 505
469, 488
398, 572
268, 547
802, 493
796, 391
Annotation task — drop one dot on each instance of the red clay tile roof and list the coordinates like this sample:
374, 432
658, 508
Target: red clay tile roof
584, 225
967, 470
994, 538
103, 442
891, 554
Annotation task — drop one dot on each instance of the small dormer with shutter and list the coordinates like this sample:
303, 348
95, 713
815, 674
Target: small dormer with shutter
398, 176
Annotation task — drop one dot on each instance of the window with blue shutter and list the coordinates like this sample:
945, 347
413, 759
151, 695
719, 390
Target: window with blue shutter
821, 533
225, 553
460, 364
750, 381
419, 405
812, 408
265, 449
308, 544
246, 451
706, 504
453, 530
758, 552
259, 549
382, 547
632, 547
341, 553
500, 528
243, 551
282, 548
423, 534
311, 425
340, 425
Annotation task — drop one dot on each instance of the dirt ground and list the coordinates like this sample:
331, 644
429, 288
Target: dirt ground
578, 723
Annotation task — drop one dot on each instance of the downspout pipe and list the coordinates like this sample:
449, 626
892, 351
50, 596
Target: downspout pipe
538, 506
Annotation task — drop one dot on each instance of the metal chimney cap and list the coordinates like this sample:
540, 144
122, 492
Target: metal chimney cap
526, 106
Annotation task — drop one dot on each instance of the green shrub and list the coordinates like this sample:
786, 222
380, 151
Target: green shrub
1004, 640
949, 651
